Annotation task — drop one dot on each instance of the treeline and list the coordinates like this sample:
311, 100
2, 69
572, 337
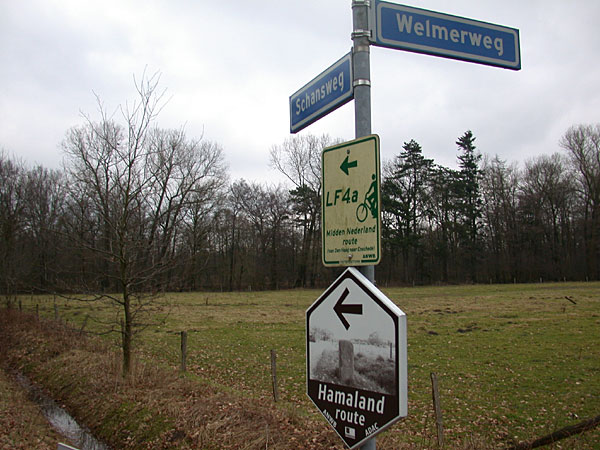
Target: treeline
138, 209
490, 221
487, 221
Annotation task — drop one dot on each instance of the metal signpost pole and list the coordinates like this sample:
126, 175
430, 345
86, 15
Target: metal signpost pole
362, 101
362, 83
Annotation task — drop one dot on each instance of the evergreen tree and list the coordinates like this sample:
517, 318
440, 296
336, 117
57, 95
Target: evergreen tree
470, 193
404, 196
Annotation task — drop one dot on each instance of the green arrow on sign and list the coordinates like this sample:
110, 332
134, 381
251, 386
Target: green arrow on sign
348, 164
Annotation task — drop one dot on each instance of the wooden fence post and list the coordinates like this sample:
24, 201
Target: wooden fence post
438, 409
183, 351
274, 375
84, 323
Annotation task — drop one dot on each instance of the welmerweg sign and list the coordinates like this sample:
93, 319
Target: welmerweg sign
351, 225
325, 93
418, 30
356, 364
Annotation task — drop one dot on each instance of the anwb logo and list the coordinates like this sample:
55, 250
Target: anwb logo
350, 432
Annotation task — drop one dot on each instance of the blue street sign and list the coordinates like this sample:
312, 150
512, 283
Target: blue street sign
418, 30
327, 92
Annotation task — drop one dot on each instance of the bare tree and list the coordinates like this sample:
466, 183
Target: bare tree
44, 211
299, 159
12, 207
139, 181
266, 209
582, 143
500, 188
197, 248
546, 200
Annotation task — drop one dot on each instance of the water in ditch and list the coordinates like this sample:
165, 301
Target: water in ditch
61, 420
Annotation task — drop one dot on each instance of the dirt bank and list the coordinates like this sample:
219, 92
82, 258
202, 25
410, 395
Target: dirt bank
155, 408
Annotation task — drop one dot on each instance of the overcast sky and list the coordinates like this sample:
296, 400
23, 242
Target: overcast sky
230, 67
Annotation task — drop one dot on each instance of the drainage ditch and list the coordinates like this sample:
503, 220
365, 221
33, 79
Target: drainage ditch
60, 419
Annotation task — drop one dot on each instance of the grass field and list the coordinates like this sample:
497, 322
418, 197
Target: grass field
514, 362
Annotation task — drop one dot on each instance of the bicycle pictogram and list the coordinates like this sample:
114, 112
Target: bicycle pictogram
369, 204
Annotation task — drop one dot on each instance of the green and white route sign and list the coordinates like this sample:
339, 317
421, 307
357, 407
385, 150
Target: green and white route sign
350, 202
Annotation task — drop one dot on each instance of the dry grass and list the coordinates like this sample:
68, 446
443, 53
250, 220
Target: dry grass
154, 408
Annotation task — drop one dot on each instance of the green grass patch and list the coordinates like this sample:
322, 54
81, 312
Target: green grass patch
129, 419
514, 362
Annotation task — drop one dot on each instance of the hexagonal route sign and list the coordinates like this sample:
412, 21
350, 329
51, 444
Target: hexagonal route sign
356, 358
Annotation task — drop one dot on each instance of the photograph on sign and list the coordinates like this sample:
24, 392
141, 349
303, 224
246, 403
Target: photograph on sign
422, 31
351, 204
356, 358
372, 352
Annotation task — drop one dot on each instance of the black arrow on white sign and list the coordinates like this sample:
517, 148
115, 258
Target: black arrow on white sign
341, 309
